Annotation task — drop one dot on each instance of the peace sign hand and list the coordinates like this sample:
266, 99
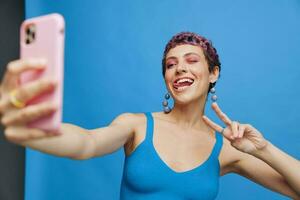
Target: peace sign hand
243, 137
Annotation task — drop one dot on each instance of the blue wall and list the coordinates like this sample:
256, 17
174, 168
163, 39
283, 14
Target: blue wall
113, 56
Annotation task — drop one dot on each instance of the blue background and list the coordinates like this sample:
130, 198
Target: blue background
113, 65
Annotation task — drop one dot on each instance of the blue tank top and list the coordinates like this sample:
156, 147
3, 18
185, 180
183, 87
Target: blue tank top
147, 177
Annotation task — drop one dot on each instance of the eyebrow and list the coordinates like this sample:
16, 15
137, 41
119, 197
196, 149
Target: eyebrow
185, 55
188, 54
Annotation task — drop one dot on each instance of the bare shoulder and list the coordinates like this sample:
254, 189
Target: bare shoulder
134, 121
138, 120
129, 119
229, 156
138, 123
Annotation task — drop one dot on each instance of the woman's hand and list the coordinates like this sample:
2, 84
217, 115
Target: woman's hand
243, 137
13, 99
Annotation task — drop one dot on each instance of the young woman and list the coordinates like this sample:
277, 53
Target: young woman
176, 154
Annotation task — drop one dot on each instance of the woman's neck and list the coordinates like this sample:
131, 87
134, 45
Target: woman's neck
189, 115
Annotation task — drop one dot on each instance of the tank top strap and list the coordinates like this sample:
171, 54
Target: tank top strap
149, 128
218, 145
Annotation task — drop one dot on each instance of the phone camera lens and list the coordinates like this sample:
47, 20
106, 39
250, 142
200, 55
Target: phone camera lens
33, 35
28, 31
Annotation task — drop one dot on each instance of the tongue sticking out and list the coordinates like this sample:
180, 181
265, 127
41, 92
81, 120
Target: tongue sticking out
186, 83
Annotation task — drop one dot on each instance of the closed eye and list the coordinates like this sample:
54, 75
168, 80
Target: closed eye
192, 61
192, 58
169, 65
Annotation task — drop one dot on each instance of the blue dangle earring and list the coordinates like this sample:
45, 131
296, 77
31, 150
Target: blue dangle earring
212, 91
165, 103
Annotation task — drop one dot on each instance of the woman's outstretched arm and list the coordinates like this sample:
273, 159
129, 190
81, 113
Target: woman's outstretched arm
73, 142
78, 143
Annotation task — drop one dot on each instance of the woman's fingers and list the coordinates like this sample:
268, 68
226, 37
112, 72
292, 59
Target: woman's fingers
27, 114
226, 132
18, 66
15, 68
242, 129
220, 114
234, 129
28, 92
212, 124
33, 89
18, 134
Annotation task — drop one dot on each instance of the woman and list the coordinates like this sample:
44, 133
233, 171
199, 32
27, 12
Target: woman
175, 154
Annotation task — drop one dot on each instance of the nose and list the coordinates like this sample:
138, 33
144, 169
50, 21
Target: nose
181, 68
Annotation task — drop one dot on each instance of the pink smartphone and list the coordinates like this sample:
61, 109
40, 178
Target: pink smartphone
43, 37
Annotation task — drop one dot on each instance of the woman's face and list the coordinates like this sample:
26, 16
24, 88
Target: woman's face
187, 76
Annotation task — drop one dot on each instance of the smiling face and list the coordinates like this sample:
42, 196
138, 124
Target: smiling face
187, 73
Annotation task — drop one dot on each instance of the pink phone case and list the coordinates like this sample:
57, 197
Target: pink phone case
49, 44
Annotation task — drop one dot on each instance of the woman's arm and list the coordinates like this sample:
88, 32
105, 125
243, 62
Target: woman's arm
75, 142
257, 170
259, 160
109, 139
283, 163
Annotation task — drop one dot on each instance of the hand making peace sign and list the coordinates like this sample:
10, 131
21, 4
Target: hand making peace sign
243, 137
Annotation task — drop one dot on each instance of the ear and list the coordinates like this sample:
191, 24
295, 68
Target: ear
214, 75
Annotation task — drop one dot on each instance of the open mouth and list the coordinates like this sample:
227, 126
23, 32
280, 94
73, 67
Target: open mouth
182, 83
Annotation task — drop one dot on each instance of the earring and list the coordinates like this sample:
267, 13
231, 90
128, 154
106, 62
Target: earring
214, 96
165, 103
